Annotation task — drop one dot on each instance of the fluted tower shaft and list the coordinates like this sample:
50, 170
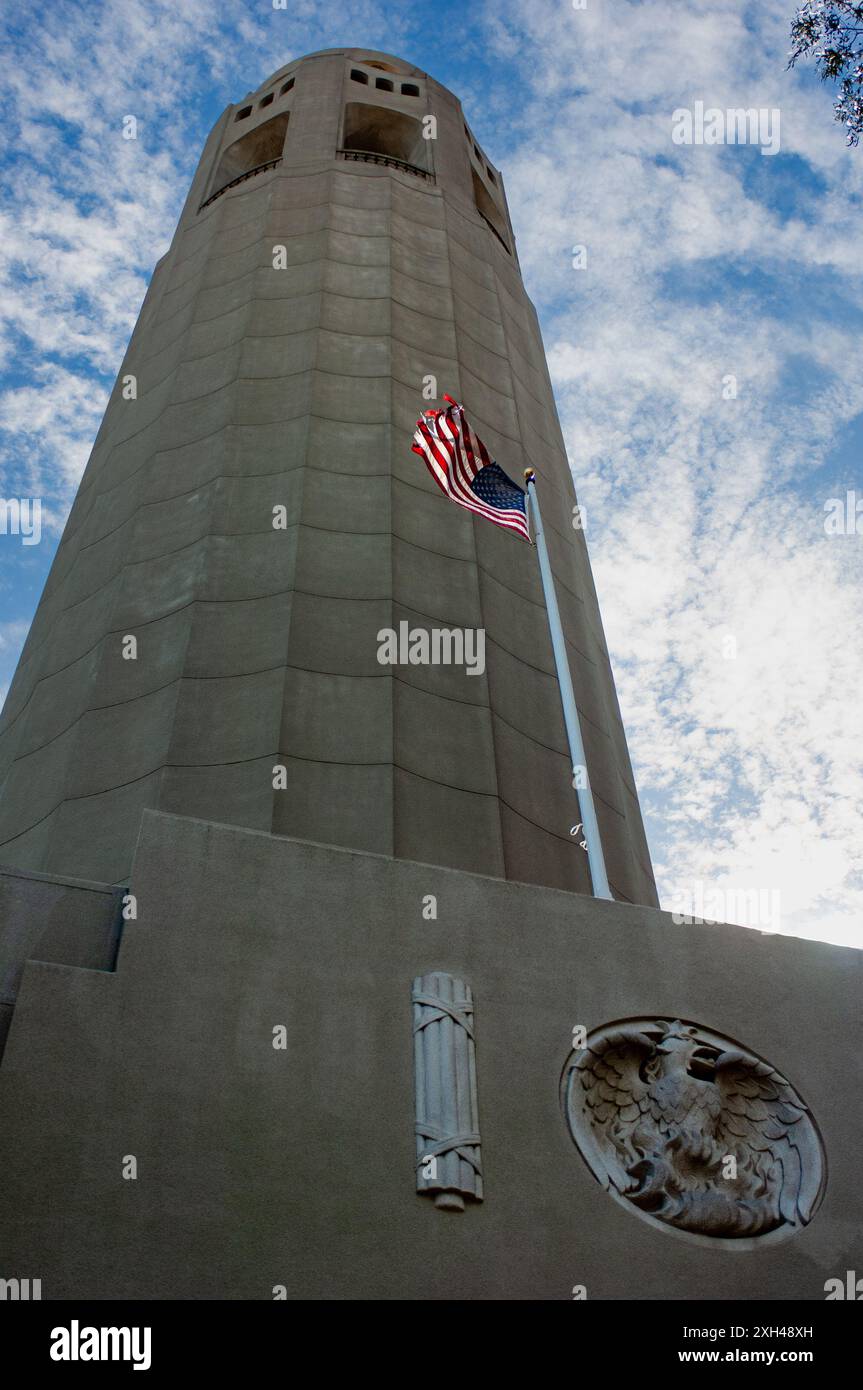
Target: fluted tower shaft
253, 517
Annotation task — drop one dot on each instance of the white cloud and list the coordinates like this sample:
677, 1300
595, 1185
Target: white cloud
705, 514
89, 212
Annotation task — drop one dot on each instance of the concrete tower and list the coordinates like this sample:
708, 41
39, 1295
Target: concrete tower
329, 261
366, 1033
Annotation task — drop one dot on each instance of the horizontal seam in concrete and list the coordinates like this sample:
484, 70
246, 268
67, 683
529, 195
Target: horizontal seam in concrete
325, 202
139, 695
520, 331
178, 497
520, 659
497, 797
206, 250
172, 449
189, 676
289, 299
308, 594
469, 251
311, 169
390, 236
484, 569
504, 357
285, 665
222, 535
223, 477
291, 209
165, 554
169, 449
218, 535
198, 275
264, 236
226, 347
79, 885
362, 340
536, 603
485, 347
296, 757
324, 259
238, 380
199, 439
147, 622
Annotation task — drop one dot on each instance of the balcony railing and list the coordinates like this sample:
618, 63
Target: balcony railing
241, 178
370, 157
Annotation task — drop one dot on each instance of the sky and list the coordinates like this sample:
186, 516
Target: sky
704, 347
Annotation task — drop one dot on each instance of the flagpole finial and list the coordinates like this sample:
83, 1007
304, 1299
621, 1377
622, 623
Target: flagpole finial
530, 475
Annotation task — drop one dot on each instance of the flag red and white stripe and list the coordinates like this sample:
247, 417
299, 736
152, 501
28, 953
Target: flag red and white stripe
456, 459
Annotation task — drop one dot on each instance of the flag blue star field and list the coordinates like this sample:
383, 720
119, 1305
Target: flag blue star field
460, 465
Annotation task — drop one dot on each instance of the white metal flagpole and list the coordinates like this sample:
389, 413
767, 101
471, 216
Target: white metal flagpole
587, 810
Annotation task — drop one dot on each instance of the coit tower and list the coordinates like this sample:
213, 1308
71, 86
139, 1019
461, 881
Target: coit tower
293, 1005
252, 518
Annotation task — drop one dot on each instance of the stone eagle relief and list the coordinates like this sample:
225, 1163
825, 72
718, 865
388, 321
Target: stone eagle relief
692, 1130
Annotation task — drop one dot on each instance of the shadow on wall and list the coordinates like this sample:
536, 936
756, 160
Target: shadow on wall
487, 208
258, 147
376, 130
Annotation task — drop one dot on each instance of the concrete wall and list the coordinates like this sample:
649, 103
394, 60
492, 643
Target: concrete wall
300, 387
259, 1167
43, 917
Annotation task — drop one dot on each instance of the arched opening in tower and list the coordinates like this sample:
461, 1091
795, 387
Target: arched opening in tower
377, 130
260, 146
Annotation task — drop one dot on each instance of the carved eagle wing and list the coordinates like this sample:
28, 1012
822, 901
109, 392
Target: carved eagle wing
607, 1074
762, 1114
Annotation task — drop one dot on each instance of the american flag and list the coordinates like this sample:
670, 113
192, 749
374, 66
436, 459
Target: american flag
460, 465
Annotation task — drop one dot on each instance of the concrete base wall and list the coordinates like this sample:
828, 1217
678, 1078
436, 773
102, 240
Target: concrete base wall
42, 917
259, 1167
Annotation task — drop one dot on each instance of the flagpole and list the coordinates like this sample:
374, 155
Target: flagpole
587, 810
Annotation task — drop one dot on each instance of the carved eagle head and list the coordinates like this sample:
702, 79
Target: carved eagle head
680, 1049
